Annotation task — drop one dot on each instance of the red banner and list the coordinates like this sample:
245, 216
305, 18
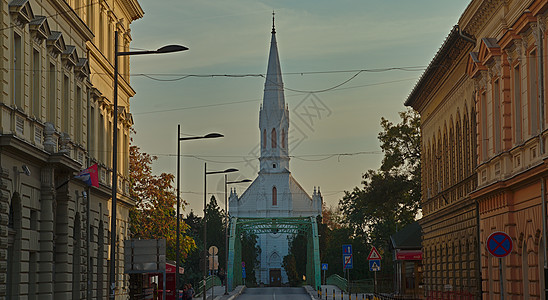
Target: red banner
409, 255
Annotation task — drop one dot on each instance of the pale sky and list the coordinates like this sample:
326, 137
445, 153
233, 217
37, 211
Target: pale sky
334, 137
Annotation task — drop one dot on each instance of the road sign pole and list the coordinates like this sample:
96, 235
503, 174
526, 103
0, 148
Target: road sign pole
500, 279
375, 283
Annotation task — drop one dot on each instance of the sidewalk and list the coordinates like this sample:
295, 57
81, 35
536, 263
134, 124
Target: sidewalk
328, 291
219, 293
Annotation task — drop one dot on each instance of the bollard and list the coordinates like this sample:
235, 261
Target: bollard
320, 293
325, 293
342, 294
333, 294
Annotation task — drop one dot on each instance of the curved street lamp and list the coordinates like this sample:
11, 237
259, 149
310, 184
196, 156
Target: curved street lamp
179, 139
231, 170
162, 50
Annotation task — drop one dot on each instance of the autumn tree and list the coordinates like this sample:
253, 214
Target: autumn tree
154, 216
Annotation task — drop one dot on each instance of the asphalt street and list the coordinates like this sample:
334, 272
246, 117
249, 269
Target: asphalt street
274, 293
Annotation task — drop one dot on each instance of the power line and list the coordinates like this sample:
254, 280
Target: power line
258, 99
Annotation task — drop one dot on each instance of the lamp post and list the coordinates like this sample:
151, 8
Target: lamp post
226, 229
231, 170
165, 49
179, 139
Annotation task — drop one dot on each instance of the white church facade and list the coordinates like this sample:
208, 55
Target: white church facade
274, 193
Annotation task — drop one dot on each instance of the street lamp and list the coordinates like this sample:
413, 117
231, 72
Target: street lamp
231, 170
179, 139
226, 229
165, 49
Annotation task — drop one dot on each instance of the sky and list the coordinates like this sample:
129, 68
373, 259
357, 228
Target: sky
345, 65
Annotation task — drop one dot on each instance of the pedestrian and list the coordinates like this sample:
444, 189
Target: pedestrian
190, 291
185, 293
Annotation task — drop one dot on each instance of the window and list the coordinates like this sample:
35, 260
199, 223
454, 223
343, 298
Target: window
533, 93
283, 138
17, 66
517, 105
91, 133
274, 196
78, 116
274, 138
484, 138
264, 138
52, 96
35, 85
66, 105
496, 116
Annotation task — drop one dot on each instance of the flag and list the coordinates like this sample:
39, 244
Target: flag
89, 176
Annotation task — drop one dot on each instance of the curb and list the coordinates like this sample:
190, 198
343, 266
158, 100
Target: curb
232, 297
311, 292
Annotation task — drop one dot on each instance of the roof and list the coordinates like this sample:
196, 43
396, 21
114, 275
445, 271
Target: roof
437, 66
409, 237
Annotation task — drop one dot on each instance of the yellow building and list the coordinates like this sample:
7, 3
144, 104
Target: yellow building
489, 76
56, 118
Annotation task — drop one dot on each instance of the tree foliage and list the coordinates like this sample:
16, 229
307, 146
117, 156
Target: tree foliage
154, 216
251, 252
390, 196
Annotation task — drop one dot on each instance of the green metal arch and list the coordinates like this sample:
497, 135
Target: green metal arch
291, 225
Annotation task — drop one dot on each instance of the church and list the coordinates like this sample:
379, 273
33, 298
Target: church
275, 192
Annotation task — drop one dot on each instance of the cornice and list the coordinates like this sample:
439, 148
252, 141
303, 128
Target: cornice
73, 19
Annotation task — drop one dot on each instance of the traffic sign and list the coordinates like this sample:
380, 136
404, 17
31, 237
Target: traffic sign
499, 244
243, 273
347, 262
243, 264
347, 249
374, 265
374, 254
324, 267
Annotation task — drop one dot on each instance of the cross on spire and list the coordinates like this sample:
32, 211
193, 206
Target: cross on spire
273, 29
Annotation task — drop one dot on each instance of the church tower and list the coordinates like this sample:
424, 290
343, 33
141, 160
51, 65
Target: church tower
274, 116
274, 193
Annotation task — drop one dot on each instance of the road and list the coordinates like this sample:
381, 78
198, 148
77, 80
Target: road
274, 293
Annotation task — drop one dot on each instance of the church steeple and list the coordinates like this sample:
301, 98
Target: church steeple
274, 115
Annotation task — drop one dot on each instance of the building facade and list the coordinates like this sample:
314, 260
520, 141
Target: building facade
497, 80
274, 193
56, 116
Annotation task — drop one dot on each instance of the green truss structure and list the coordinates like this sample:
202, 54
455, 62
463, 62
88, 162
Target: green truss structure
290, 225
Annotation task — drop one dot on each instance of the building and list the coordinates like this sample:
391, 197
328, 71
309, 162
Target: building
274, 193
482, 104
56, 116
406, 248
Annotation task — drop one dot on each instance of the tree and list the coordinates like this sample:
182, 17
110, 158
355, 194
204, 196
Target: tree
154, 216
251, 252
390, 196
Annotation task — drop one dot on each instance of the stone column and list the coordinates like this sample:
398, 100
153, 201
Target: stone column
46, 266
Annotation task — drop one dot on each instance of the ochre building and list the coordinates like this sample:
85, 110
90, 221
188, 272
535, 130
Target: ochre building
56, 118
482, 102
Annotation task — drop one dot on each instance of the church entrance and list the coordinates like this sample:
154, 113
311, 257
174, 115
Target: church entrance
275, 277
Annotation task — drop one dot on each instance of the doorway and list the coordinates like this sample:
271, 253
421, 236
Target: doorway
275, 277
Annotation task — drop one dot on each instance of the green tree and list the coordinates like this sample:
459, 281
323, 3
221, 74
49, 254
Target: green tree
216, 226
390, 196
251, 252
153, 217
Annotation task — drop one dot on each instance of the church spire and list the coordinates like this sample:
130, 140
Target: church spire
274, 115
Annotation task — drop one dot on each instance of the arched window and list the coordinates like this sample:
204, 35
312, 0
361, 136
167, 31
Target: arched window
264, 138
274, 196
273, 142
283, 138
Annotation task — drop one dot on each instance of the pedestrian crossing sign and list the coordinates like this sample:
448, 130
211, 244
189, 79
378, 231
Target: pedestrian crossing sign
374, 254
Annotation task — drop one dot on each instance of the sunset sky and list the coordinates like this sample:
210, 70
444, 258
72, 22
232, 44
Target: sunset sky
345, 65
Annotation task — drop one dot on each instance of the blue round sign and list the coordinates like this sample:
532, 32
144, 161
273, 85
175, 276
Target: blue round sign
499, 244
